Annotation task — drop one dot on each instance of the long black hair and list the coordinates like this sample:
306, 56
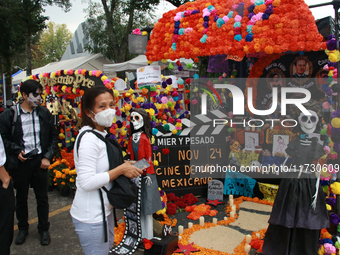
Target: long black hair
147, 122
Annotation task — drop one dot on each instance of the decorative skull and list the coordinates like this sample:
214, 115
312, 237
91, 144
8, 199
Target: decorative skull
137, 120
308, 122
255, 166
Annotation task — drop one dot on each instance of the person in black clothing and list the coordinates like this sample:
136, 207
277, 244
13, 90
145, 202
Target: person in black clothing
30, 146
7, 202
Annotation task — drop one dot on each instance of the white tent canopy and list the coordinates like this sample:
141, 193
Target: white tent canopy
94, 62
138, 62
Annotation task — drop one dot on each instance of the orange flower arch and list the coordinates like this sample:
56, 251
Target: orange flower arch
204, 28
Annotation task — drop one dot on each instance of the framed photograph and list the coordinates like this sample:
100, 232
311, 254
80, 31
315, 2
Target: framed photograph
280, 143
318, 136
251, 140
133, 227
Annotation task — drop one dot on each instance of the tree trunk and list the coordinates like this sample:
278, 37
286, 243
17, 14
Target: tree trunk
8, 73
28, 50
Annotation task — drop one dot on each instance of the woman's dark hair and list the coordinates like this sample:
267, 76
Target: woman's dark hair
147, 122
89, 100
30, 86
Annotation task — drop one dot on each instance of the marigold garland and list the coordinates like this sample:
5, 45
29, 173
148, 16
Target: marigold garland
239, 250
211, 27
119, 233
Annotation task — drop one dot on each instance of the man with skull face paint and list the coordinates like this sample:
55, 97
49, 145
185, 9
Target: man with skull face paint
139, 147
299, 211
33, 131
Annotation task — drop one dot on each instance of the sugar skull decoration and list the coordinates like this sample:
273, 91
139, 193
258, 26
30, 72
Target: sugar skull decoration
308, 123
137, 120
235, 147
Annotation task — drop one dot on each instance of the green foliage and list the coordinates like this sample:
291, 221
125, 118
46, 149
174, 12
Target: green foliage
110, 22
52, 44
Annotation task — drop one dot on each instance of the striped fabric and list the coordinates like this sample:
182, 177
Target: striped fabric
31, 130
2, 153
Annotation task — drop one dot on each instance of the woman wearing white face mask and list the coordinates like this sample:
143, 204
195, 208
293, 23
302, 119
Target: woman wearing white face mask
93, 172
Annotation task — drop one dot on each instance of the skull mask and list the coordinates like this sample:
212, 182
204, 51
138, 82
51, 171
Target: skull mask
308, 123
137, 120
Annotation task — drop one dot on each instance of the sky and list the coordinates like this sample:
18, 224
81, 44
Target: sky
76, 15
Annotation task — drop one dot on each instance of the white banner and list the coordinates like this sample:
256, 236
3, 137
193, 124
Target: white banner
149, 76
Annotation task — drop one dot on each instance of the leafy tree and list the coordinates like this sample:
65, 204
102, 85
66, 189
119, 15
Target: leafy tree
11, 38
52, 44
110, 22
33, 21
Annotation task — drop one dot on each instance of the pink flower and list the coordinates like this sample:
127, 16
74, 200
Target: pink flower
136, 31
326, 67
238, 18
329, 249
213, 12
164, 100
225, 19
268, 2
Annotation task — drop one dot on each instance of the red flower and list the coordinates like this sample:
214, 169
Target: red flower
147, 243
166, 151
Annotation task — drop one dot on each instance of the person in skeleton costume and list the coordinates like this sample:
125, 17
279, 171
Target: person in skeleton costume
299, 211
139, 147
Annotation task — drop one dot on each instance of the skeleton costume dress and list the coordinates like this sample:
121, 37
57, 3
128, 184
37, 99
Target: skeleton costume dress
139, 147
299, 211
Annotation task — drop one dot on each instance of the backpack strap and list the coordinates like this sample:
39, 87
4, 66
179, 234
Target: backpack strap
15, 116
104, 188
88, 131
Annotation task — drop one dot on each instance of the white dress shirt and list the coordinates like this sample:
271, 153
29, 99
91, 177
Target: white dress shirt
2, 153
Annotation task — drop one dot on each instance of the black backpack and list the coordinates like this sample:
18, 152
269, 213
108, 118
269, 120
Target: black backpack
123, 192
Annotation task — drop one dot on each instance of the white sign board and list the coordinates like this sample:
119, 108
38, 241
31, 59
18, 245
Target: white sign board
215, 190
149, 76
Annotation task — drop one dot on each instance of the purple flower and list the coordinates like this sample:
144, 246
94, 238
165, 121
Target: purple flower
195, 11
164, 84
134, 105
269, 9
180, 68
216, 18
265, 16
176, 31
119, 123
250, 15
334, 219
335, 114
154, 148
206, 24
123, 115
153, 124
126, 99
331, 44
169, 81
331, 201
161, 192
251, 8
330, 37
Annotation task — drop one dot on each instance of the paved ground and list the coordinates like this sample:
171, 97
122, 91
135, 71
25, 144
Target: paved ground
64, 239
